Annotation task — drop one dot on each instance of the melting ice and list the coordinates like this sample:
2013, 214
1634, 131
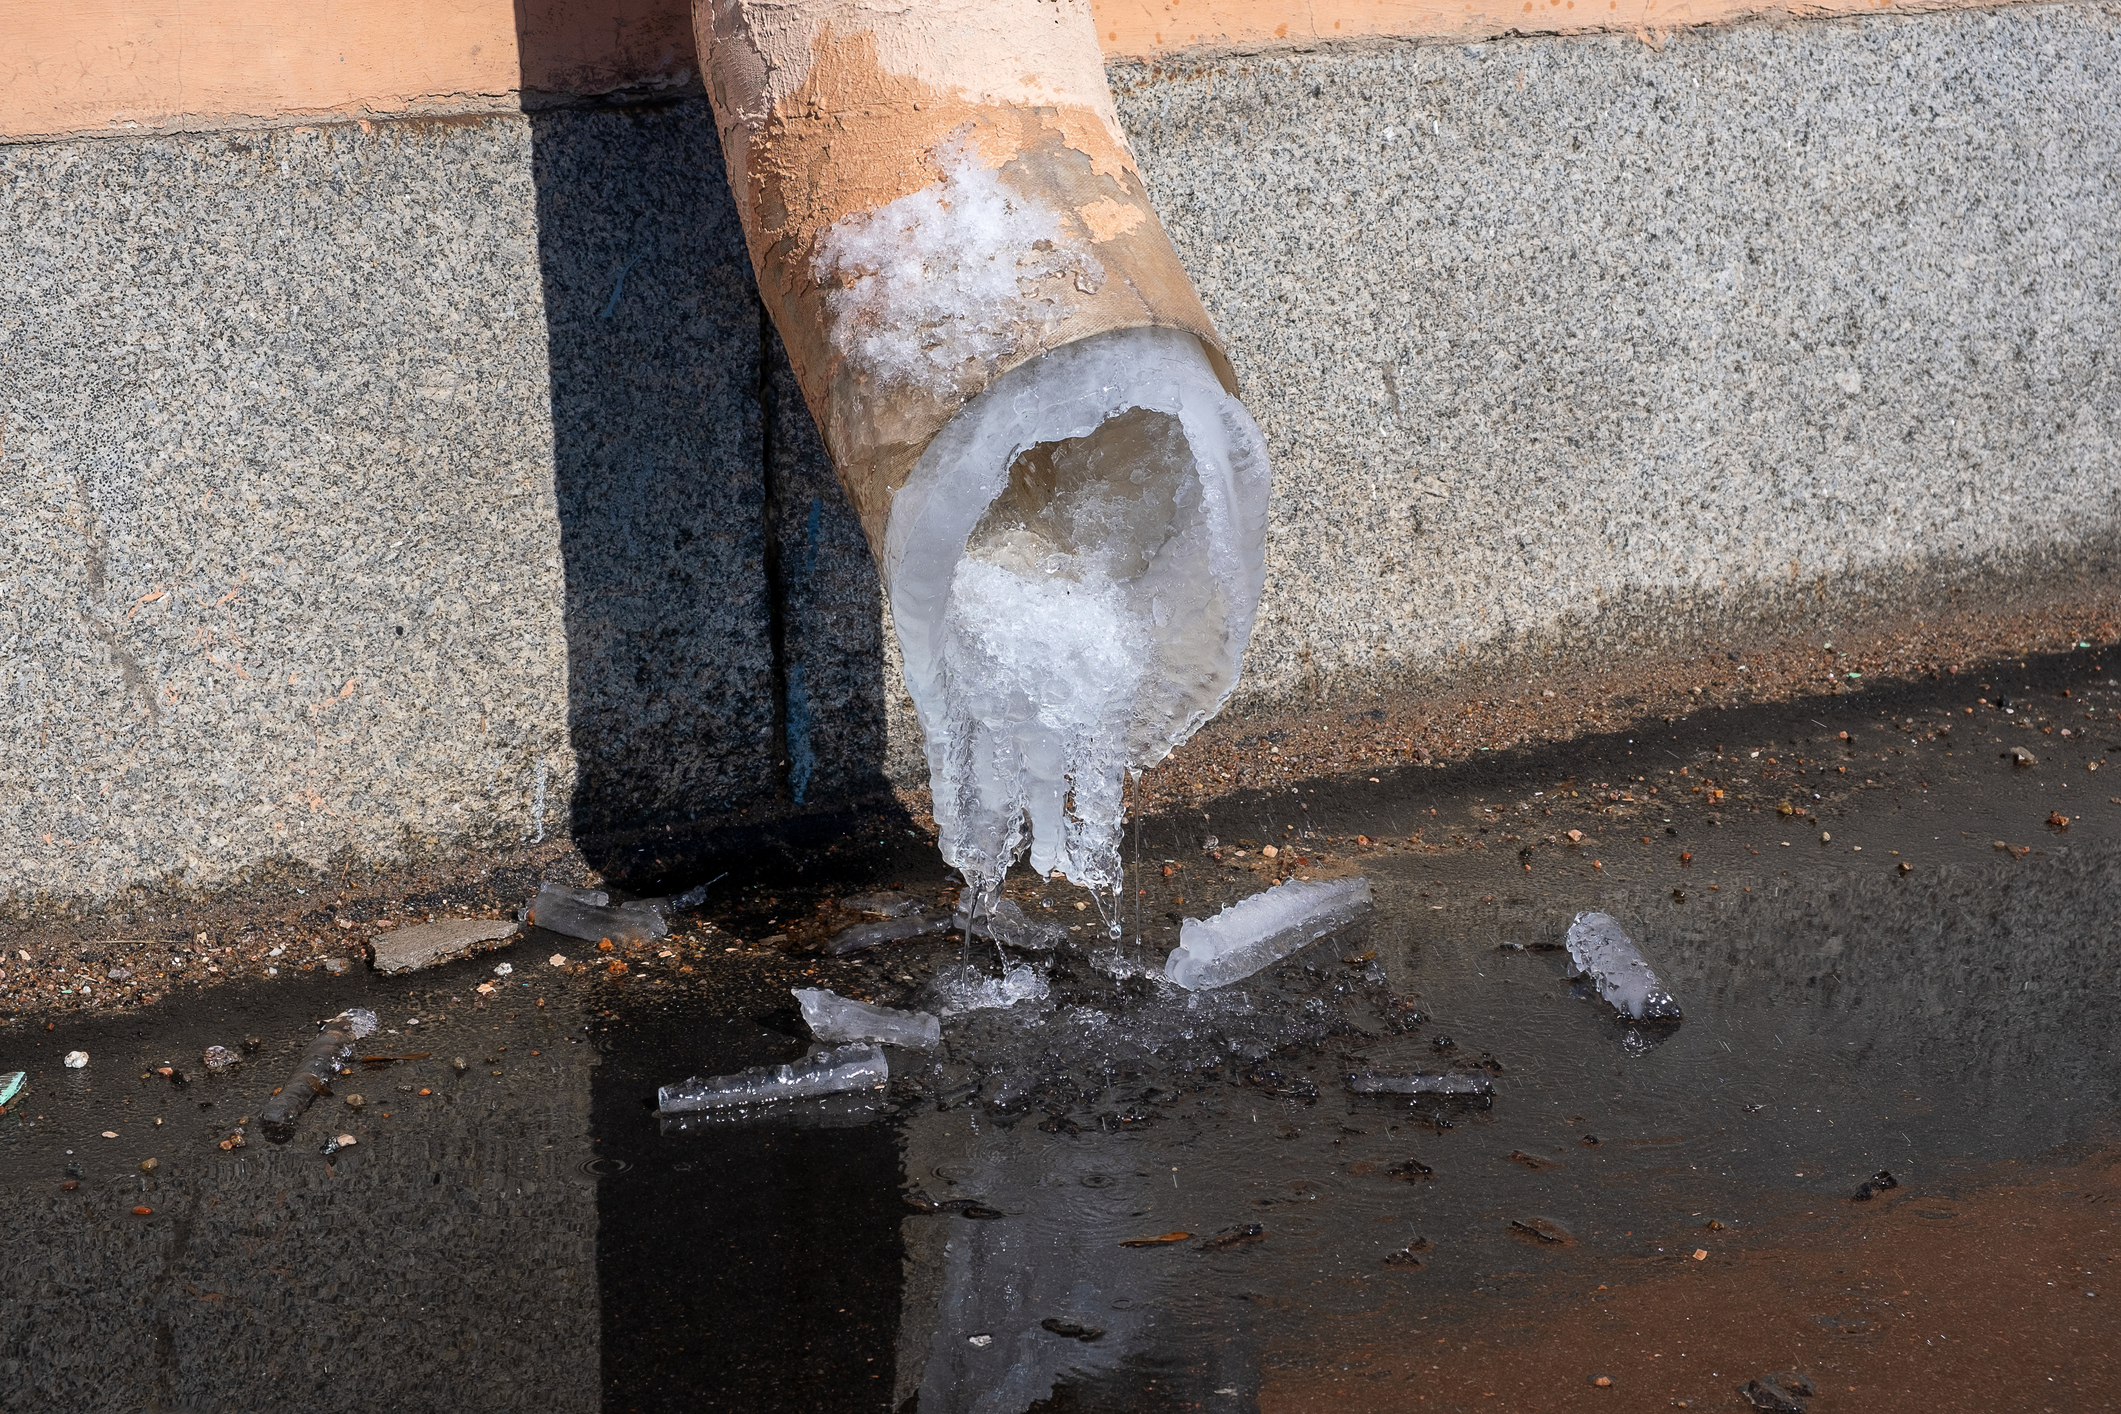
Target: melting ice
1074, 566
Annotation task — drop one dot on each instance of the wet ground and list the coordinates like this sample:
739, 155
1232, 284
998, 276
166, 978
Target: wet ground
1895, 950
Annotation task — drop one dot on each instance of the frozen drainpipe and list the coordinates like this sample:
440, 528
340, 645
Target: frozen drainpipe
1019, 388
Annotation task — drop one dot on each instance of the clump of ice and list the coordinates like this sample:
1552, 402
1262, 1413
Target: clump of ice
1261, 930
834, 1018
1074, 566
965, 988
1602, 950
932, 290
824, 1072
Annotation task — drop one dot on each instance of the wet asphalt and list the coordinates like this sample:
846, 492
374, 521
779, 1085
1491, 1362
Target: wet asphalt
523, 1230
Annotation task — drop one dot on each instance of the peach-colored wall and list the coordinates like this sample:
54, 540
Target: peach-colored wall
114, 66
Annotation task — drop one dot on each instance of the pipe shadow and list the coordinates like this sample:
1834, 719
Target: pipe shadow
722, 612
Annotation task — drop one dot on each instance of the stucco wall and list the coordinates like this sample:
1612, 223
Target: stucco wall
357, 480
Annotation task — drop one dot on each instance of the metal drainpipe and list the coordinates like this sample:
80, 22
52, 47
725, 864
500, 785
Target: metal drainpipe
978, 135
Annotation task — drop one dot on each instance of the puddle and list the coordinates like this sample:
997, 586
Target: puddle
1670, 1208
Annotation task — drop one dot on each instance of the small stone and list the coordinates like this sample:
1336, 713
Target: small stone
354, 1102
459, 1064
77, 1060
558, 959
605, 945
143, 1211
502, 969
1270, 851
220, 1059
149, 1165
70, 1185
110, 1134
337, 966
1602, 1381
424, 944
346, 1141
1575, 837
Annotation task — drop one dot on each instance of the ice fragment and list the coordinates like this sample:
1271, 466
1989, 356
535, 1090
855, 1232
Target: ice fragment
891, 930
587, 914
963, 989
1367, 1082
1604, 952
1007, 923
859, 1066
834, 1019
885, 903
77, 1060
1261, 930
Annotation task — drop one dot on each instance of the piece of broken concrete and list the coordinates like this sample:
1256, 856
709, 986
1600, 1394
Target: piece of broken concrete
425, 944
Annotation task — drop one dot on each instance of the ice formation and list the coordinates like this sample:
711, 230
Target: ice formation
860, 1066
1261, 930
836, 1019
1008, 923
1074, 565
1602, 950
587, 914
937, 287
961, 989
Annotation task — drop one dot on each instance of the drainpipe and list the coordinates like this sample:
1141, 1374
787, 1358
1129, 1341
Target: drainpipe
1022, 395
976, 136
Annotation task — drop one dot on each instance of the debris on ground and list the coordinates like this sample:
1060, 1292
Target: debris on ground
1542, 1230
326, 1057
1231, 1237
835, 1020
1474, 1084
1603, 952
1874, 1185
77, 1060
218, 1060
1071, 1330
11, 1085
1259, 931
1160, 1240
824, 1072
425, 944
588, 914
1783, 1393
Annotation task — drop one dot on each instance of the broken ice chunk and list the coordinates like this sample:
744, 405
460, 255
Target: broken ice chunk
834, 1018
1369, 1082
857, 1067
891, 930
1261, 930
1602, 951
885, 903
1007, 923
587, 914
963, 989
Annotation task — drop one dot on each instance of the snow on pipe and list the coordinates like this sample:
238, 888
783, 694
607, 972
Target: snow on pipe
1022, 394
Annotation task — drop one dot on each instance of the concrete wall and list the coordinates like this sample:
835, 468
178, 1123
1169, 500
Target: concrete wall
368, 488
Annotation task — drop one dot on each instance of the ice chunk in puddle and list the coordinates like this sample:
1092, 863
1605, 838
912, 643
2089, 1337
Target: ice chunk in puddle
963, 989
891, 930
1008, 923
587, 914
1369, 1082
1602, 950
834, 1018
1261, 930
860, 1066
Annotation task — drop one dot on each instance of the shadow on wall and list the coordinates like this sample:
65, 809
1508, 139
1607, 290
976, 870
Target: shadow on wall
722, 611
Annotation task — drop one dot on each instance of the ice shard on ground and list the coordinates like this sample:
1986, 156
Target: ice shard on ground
835, 1019
587, 914
1602, 951
1474, 1084
1261, 930
860, 1066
